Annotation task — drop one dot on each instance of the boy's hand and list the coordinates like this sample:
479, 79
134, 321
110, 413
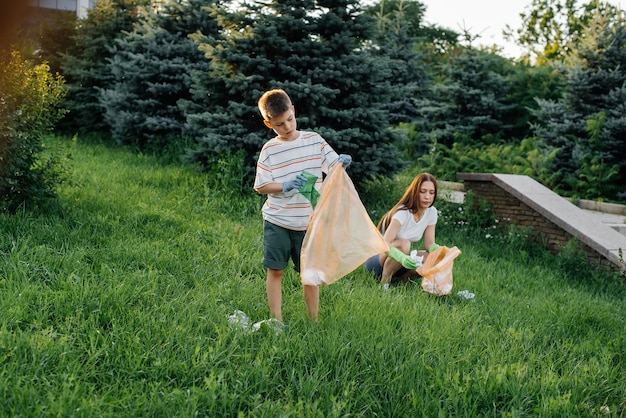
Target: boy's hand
295, 183
345, 159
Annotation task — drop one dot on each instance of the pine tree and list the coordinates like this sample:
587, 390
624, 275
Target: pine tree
315, 51
152, 67
406, 17
86, 68
527, 83
56, 37
470, 101
587, 125
398, 32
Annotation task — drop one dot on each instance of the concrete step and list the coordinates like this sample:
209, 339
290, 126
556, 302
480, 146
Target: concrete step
612, 220
621, 228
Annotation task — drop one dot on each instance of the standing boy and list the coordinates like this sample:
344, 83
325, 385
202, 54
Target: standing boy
286, 211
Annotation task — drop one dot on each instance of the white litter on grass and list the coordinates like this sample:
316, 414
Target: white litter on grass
314, 277
272, 324
466, 294
240, 320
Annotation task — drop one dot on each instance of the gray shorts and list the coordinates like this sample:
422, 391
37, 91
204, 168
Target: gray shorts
280, 244
373, 266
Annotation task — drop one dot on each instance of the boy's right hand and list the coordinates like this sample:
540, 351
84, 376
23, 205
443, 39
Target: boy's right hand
295, 183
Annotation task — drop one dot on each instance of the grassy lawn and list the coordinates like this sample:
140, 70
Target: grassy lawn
115, 302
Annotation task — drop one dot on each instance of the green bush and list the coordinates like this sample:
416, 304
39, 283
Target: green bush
29, 108
525, 158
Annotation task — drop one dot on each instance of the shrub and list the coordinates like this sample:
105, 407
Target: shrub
523, 158
29, 108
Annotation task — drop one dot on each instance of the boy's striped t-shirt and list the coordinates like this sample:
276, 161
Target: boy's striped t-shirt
280, 161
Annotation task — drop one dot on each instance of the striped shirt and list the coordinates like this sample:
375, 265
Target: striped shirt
280, 161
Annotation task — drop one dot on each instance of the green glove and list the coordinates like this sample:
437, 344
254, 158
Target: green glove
308, 190
433, 247
406, 261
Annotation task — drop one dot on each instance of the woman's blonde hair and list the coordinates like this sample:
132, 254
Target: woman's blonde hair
410, 200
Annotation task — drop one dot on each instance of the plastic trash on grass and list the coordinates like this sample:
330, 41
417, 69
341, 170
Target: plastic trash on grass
240, 320
272, 324
466, 294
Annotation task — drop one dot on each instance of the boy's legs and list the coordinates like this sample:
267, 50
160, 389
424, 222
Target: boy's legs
273, 287
311, 293
279, 244
312, 300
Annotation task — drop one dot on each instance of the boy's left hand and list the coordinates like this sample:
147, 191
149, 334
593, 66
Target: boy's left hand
345, 159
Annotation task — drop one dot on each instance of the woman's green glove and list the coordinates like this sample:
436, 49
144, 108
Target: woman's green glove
406, 261
433, 247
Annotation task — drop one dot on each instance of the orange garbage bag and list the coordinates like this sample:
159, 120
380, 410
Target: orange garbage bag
340, 235
436, 271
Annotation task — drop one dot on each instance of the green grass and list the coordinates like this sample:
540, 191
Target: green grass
115, 302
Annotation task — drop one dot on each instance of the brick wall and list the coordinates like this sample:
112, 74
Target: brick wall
510, 210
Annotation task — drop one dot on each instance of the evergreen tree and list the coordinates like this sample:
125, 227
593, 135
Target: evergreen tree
587, 125
408, 16
315, 51
56, 37
470, 101
86, 68
396, 36
152, 67
526, 84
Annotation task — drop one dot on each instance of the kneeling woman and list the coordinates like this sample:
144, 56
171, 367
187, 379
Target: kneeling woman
412, 218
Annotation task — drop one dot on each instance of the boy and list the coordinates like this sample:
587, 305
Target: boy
286, 212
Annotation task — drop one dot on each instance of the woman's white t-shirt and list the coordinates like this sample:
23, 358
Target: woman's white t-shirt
411, 230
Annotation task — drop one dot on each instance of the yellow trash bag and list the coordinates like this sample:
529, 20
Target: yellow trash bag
340, 235
436, 271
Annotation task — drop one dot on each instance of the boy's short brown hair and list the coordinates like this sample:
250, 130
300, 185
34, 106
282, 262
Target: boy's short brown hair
273, 103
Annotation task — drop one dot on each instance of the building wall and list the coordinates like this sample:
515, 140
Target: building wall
78, 6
